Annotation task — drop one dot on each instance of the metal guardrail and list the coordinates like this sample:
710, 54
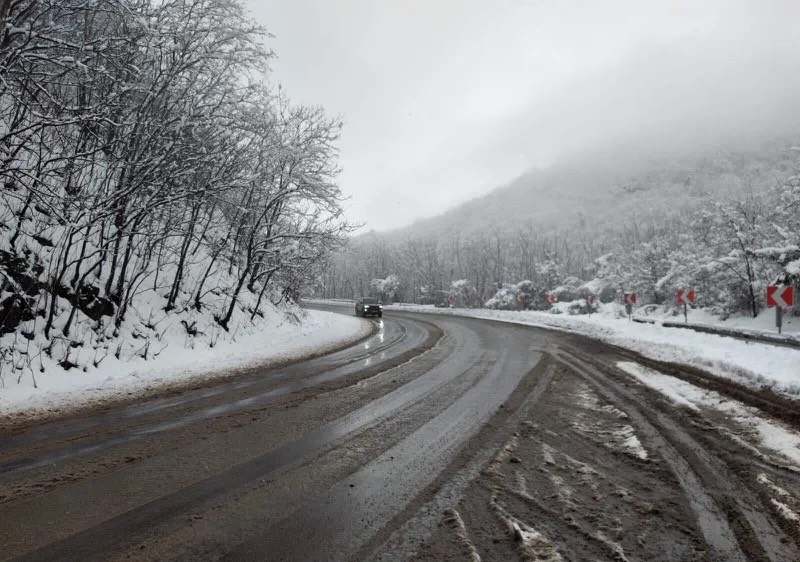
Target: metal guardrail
738, 333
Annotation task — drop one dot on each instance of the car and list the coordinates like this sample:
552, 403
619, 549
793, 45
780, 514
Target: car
366, 306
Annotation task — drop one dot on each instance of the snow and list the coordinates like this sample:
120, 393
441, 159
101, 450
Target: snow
758, 365
762, 479
781, 507
772, 435
785, 511
631, 443
662, 383
277, 340
615, 411
764, 322
776, 251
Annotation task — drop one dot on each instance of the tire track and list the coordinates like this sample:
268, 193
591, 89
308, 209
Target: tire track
338, 524
409, 535
124, 528
732, 528
80, 437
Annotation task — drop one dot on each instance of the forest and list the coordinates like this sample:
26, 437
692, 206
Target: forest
152, 179
725, 222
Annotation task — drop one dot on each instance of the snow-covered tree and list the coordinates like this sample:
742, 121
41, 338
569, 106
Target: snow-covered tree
385, 289
142, 149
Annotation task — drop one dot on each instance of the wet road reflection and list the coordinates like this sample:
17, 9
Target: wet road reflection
393, 338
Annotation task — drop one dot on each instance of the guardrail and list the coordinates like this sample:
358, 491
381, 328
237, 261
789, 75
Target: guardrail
738, 333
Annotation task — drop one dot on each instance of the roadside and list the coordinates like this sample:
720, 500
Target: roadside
594, 469
178, 367
760, 329
756, 365
367, 459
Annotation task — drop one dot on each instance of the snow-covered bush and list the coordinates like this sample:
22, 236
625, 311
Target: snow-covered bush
522, 296
385, 289
504, 299
462, 294
569, 290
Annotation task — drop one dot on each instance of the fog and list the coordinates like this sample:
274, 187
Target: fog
444, 101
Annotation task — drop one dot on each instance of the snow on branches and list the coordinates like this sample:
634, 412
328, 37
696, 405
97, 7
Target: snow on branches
147, 169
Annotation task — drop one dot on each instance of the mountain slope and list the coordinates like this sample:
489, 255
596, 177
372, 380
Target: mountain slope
607, 189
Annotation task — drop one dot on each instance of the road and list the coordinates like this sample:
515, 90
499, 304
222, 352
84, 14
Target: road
437, 438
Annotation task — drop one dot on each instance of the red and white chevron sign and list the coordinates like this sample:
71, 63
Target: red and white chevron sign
629, 298
685, 296
589, 299
551, 298
779, 295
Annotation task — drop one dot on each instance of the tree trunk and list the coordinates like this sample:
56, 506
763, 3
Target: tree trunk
114, 256
55, 283
261, 294
123, 272
234, 298
21, 217
176, 282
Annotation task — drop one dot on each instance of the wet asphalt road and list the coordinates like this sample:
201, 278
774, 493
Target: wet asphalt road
87, 526
340, 457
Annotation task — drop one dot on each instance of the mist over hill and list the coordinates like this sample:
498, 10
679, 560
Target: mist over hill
603, 189
724, 219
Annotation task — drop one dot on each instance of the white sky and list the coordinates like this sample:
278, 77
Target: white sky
444, 100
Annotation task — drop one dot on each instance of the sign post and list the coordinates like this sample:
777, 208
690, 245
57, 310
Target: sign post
590, 303
780, 297
629, 299
685, 297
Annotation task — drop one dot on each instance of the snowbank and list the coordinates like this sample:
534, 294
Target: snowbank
772, 435
764, 322
277, 340
756, 365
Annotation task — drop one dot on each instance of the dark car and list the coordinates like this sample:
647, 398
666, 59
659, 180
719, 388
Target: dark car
366, 306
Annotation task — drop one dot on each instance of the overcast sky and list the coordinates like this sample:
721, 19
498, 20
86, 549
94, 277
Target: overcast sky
444, 100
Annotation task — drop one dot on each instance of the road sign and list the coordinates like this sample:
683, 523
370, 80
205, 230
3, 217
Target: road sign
590, 299
551, 298
685, 296
629, 298
780, 295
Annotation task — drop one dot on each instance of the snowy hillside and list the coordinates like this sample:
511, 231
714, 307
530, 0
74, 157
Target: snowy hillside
603, 190
724, 222
155, 192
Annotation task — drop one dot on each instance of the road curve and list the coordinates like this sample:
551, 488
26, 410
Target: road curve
437, 438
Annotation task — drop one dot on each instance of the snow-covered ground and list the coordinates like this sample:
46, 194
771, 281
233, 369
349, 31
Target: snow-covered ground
754, 364
770, 434
278, 340
764, 322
